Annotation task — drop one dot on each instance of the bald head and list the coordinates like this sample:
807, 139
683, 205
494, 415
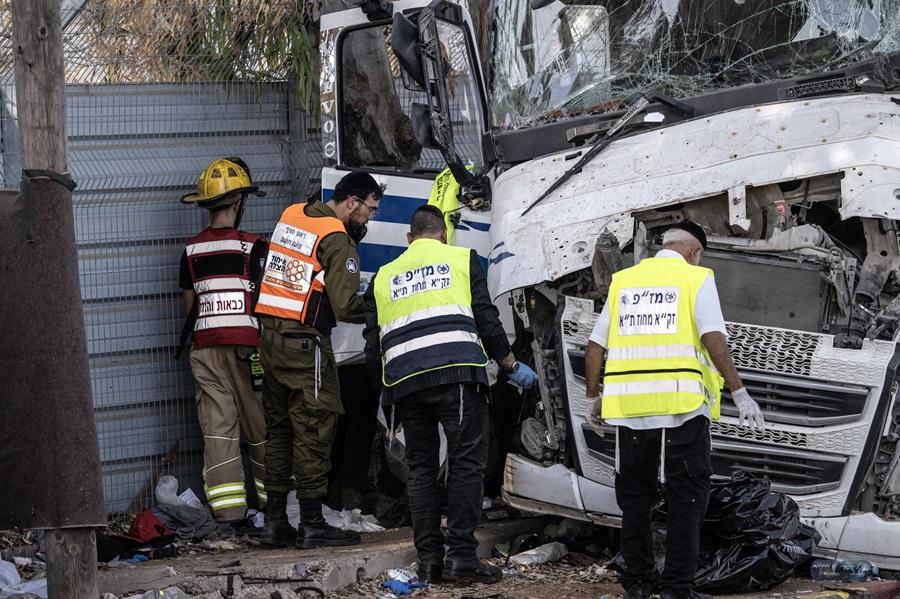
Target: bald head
679, 240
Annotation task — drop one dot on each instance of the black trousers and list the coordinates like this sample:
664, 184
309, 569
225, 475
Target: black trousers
687, 473
463, 412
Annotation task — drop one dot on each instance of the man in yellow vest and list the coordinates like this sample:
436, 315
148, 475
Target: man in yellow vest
662, 339
311, 281
430, 327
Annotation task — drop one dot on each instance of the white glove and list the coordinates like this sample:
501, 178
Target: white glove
749, 413
593, 415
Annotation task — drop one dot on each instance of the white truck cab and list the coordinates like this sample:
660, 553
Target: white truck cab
601, 124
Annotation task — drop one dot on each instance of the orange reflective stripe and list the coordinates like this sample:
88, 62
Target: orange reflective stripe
292, 263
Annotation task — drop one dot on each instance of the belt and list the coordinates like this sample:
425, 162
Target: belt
298, 341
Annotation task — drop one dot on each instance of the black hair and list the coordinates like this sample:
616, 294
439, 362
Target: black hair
427, 220
359, 184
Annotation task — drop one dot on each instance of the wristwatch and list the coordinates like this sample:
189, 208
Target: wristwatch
513, 368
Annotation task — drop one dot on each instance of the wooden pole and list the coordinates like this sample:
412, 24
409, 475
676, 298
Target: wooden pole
41, 109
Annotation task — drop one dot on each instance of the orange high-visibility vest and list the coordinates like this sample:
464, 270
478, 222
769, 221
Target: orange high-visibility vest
293, 283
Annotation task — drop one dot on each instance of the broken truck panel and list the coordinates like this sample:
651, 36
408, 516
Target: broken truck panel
779, 136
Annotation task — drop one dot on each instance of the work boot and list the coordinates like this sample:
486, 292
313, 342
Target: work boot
468, 572
639, 590
277, 531
315, 532
430, 573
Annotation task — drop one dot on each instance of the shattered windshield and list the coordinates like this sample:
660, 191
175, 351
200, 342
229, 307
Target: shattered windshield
576, 56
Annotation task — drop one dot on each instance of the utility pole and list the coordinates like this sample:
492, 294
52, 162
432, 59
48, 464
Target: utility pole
59, 489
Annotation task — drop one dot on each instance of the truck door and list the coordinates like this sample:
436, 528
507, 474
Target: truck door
369, 106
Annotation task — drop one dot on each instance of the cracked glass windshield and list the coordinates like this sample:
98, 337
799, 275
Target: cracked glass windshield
571, 57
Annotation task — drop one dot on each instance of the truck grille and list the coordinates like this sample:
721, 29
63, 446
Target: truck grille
801, 401
789, 470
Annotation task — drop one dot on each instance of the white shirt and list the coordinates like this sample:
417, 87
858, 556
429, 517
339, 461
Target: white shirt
707, 315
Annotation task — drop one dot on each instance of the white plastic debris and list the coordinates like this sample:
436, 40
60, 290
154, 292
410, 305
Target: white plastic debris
35, 587
544, 554
351, 520
167, 490
9, 576
257, 518
401, 575
346, 519
22, 562
189, 497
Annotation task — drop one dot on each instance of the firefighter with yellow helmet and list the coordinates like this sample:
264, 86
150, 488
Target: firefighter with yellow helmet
220, 269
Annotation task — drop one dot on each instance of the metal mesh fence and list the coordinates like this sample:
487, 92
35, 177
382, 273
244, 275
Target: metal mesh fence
155, 91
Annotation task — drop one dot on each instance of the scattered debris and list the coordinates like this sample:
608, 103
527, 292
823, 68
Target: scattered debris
550, 552
11, 583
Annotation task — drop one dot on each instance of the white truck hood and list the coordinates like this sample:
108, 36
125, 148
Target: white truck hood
856, 135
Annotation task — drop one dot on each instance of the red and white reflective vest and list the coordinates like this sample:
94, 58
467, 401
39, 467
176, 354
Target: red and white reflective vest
294, 282
218, 260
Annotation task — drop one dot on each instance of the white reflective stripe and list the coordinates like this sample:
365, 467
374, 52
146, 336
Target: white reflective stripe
214, 322
261, 495
276, 301
263, 442
259, 484
220, 504
221, 283
650, 387
657, 352
225, 490
320, 277
221, 438
207, 247
449, 310
652, 352
428, 341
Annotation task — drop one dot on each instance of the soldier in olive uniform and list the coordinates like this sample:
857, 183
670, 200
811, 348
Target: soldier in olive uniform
311, 281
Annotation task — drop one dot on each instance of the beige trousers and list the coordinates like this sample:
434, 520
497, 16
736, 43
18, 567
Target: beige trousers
227, 404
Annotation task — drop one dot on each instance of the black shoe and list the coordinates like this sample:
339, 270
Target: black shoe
277, 531
315, 532
468, 572
639, 590
669, 594
430, 573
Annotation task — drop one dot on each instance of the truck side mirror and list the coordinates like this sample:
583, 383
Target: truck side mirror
420, 115
405, 44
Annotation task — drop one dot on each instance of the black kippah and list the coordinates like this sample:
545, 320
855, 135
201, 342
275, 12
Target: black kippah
692, 228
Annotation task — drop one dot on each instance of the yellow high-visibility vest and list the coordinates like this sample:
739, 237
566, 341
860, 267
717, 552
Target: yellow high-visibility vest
655, 362
424, 301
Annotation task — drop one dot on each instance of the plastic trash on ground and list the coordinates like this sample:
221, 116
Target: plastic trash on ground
843, 570
403, 588
351, 520
12, 584
544, 554
167, 490
401, 575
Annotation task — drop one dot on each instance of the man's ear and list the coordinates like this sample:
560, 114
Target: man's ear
409, 238
444, 236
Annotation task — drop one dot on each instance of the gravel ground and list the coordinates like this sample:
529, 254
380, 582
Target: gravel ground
563, 580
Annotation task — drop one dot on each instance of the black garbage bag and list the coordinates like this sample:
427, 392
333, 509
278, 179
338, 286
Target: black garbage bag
751, 539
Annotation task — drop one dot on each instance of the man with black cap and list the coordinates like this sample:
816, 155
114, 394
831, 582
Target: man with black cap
220, 269
661, 337
311, 282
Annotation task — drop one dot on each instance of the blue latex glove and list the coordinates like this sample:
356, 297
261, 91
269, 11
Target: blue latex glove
403, 588
523, 376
